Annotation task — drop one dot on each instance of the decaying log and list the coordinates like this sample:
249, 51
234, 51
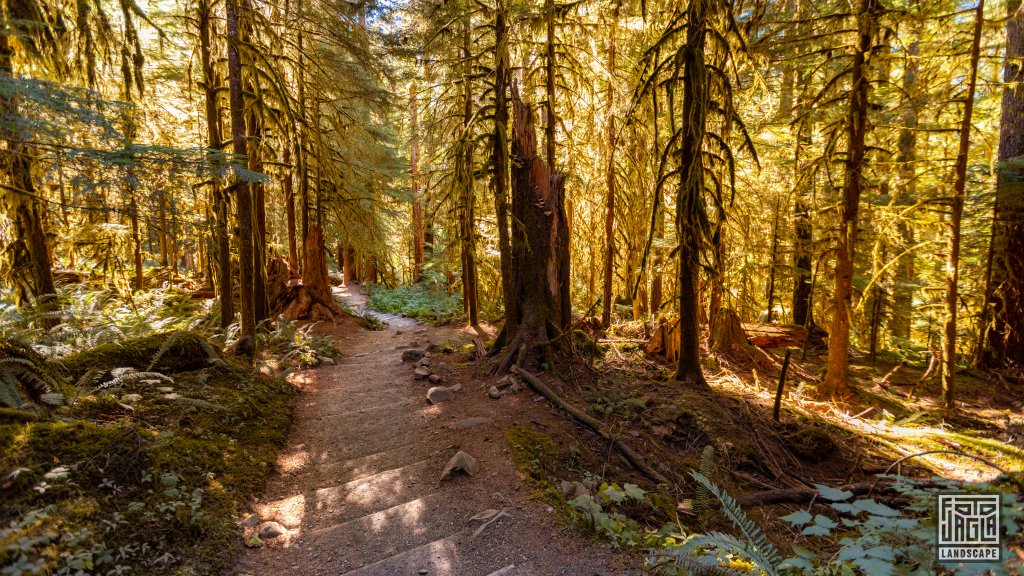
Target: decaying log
592, 423
775, 335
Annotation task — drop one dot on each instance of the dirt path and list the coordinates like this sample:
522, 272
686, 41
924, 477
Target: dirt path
358, 485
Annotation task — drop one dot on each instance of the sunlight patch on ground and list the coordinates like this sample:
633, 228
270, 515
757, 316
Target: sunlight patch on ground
289, 512
896, 438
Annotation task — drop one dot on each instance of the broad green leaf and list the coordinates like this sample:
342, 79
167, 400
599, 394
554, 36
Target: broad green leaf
872, 506
832, 494
633, 491
798, 518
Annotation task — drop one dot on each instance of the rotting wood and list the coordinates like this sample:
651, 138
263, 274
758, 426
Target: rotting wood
632, 457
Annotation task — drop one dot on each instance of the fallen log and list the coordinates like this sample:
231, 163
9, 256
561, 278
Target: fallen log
775, 335
592, 423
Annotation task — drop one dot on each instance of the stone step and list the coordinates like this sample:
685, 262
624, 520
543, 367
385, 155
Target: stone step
351, 500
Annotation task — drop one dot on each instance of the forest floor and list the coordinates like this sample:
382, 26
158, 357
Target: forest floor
358, 485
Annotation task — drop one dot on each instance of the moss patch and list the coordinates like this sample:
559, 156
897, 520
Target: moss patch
149, 480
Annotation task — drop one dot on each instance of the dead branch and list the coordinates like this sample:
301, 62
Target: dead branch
593, 424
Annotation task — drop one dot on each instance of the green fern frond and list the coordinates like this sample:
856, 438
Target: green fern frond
172, 338
695, 555
132, 377
707, 468
761, 552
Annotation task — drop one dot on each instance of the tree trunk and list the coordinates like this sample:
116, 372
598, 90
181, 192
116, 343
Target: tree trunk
500, 155
1003, 341
255, 135
213, 142
658, 226
955, 218
689, 197
609, 217
417, 202
540, 251
467, 230
774, 262
903, 291
288, 184
29, 252
549, 83
853, 182
241, 187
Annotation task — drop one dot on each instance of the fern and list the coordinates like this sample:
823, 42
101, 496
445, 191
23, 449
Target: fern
25, 373
171, 339
132, 377
753, 545
692, 556
707, 469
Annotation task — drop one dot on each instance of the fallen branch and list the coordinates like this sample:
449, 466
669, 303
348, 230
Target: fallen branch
795, 496
593, 423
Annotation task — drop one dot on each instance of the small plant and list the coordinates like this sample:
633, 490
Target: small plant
422, 301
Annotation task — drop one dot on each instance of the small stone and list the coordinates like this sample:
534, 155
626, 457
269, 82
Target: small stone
461, 462
122, 371
165, 389
434, 378
505, 382
271, 530
422, 373
424, 361
328, 361
52, 399
438, 394
172, 396
493, 392
250, 521
455, 387
515, 387
412, 355
472, 423
442, 365
266, 370
131, 398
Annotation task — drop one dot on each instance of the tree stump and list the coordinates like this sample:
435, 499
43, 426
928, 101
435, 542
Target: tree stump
306, 298
728, 337
540, 251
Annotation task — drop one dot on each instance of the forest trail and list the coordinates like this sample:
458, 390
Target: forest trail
358, 484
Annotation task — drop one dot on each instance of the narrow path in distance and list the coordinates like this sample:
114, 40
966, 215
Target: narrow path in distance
358, 484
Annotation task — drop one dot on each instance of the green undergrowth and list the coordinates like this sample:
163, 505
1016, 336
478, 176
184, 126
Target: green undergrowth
424, 301
138, 475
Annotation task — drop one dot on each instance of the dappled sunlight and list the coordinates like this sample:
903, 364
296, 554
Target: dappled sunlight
923, 444
290, 511
292, 461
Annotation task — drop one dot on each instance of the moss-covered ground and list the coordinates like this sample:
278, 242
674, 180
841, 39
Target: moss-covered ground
145, 476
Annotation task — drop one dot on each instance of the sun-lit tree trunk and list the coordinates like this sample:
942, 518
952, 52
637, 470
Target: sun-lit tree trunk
691, 188
955, 218
906, 157
550, 74
853, 183
1003, 339
242, 191
609, 217
417, 201
658, 232
29, 252
288, 185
